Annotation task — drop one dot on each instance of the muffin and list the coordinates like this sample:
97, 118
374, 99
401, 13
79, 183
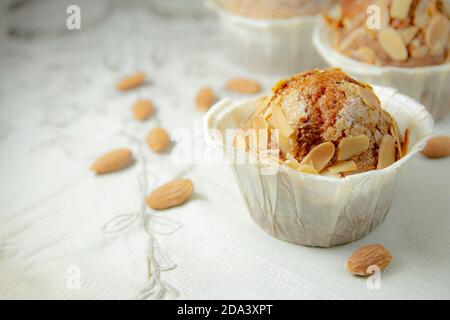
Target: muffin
271, 36
405, 46
325, 122
410, 33
313, 117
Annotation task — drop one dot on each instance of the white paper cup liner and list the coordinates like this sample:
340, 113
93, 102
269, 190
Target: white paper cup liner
280, 47
429, 85
317, 210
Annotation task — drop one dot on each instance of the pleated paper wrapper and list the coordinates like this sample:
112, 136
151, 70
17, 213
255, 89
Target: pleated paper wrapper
316, 210
278, 47
429, 85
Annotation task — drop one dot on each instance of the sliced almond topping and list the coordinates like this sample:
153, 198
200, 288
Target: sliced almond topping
415, 43
279, 121
395, 132
378, 137
351, 40
369, 97
405, 144
421, 17
285, 144
260, 123
290, 157
419, 52
447, 7
408, 34
400, 9
352, 146
258, 137
347, 23
320, 155
386, 153
327, 173
280, 84
421, 20
383, 15
392, 43
292, 164
268, 114
342, 166
437, 33
307, 168
240, 142
263, 107
365, 54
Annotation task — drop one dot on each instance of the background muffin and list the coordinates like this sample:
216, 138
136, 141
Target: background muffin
411, 33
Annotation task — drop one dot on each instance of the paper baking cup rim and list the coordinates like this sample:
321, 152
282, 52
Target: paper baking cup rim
321, 41
259, 23
226, 106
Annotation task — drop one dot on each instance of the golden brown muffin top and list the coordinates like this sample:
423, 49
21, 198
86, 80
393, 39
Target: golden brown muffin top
329, 109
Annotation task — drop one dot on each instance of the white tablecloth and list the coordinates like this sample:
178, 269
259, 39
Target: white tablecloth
59, 110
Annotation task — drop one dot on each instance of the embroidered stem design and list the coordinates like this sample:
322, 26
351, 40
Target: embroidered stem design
157, 259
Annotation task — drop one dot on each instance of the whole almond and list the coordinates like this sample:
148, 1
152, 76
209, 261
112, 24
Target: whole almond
437, 147
205, 99
243, 85
171, 194
112, 161
361, 261
131, 81
142, 109
158, 139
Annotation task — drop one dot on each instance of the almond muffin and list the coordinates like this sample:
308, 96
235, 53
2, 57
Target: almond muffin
406, 33
328, 123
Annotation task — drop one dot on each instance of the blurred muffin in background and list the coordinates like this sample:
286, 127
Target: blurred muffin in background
271, 36
275, 9
406, 33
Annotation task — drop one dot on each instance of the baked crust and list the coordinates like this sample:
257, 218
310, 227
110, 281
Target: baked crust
327, 106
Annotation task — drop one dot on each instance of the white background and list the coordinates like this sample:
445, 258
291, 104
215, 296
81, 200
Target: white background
59, 110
